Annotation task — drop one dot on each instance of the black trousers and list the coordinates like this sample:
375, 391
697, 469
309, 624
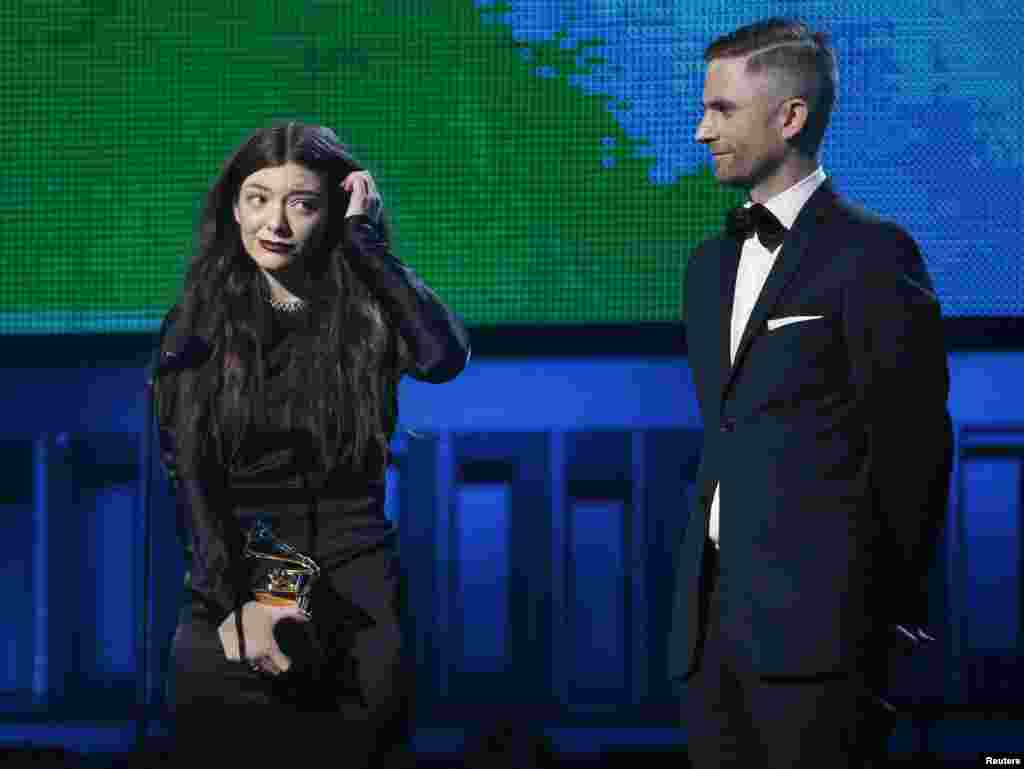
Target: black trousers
733, 716
347, 697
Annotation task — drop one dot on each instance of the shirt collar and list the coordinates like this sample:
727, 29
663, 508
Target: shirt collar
787, 204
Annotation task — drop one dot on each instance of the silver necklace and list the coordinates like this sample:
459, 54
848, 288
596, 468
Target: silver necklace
295, 304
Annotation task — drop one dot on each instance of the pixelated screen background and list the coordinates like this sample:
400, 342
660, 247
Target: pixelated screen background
536, 156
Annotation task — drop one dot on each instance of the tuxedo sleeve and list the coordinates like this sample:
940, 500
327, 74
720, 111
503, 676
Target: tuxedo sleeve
899, 366
690, 293
696, 285
211, 538
434, 340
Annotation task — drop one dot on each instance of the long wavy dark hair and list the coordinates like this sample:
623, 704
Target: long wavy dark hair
341, 387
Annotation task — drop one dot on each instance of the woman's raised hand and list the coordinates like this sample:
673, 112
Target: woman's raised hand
364, 195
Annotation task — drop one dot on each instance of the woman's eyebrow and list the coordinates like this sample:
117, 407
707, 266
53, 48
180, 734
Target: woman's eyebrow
265, 188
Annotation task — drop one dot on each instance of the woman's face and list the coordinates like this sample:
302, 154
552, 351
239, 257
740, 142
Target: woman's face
281, 212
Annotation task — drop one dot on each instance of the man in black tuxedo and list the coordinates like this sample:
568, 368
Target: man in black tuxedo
815, 341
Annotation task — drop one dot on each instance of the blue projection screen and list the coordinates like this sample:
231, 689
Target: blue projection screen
537, 156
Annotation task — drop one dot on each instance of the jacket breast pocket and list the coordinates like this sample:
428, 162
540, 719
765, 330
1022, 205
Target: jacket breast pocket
799, 351
774, 324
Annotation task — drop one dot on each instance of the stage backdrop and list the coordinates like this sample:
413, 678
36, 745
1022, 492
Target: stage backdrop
537, 156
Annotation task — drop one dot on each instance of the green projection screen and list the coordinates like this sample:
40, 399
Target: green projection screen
537, 156
516, 193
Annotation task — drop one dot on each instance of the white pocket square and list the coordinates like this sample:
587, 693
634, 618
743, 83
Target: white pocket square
775, 323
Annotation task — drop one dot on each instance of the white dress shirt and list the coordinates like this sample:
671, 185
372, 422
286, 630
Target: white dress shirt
756, 262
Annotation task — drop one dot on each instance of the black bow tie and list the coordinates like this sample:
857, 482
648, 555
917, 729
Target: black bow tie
742, 223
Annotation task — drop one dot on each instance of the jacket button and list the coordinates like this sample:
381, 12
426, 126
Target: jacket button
728, 425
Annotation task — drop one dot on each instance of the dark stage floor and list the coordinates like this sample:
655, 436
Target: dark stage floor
960, 740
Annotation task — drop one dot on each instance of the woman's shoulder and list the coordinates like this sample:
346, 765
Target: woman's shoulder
179, 346
167, 325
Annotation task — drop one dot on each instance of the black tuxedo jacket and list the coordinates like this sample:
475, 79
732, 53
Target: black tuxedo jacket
830, 438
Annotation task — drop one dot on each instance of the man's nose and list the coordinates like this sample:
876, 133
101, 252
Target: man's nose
706, 130
704, 133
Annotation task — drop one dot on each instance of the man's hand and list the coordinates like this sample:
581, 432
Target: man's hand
365, 198
258, 621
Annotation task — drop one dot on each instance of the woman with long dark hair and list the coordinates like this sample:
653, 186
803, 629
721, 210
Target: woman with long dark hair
276, 395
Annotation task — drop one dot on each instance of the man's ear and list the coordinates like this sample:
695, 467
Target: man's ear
234, 208
794, 114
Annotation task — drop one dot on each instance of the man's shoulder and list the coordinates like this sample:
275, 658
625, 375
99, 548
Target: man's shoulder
859, 221
710, 248
873, 244
701, 267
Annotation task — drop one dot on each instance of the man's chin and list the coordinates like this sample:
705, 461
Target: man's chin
730, 180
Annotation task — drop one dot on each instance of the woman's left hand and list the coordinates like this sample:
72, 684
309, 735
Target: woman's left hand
364, 196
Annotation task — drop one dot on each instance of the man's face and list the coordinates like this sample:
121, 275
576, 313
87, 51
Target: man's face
280, 212
742, 123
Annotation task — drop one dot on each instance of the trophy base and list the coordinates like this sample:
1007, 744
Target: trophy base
275, 600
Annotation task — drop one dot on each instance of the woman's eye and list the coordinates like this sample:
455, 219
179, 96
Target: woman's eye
307, 206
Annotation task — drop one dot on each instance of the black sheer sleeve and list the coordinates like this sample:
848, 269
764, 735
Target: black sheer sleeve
437, 341
163, 395
211, 538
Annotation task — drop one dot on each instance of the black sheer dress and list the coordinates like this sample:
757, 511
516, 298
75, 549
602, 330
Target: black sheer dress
349, 688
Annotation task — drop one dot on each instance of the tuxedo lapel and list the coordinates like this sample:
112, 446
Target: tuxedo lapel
793, 249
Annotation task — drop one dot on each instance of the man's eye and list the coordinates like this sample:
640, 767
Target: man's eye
256, 200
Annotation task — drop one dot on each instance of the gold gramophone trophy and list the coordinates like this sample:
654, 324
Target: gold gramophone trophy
278, 573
